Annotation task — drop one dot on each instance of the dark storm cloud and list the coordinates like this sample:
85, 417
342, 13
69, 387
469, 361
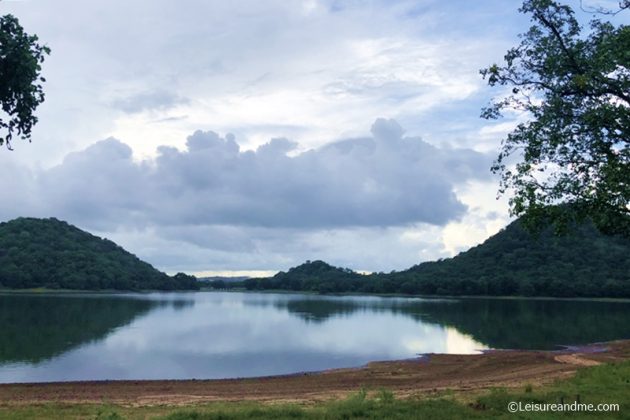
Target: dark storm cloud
385, 179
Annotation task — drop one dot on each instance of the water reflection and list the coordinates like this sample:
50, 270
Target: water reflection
36, 327
218, 335
321, 308
497, 323
534, 323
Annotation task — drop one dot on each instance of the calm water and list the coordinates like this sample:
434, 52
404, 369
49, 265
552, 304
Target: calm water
220, 335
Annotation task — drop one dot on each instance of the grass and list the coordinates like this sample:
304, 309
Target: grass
600, 384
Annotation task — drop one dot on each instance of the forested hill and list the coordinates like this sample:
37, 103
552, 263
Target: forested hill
512, 262
310, 276
51, 253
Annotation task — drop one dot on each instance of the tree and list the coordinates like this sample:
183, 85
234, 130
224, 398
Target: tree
20, 80
623, 4
573, 86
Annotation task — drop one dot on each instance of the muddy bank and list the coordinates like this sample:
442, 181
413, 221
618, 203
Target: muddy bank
427, 374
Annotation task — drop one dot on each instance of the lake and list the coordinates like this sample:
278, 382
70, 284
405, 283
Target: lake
203, 335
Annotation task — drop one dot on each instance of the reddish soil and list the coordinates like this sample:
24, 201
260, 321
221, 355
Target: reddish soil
428, 374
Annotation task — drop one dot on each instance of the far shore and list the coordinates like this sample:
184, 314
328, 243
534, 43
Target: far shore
400, 295
42, 290
429, 374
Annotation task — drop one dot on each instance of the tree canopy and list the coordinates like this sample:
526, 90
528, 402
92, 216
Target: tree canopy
573, 87
20, 81
51, 253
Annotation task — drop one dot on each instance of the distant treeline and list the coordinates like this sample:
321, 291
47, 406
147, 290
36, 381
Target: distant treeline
582, 263
53, 254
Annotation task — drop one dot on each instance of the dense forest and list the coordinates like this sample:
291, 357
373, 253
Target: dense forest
581, 263
53, 254
584, 263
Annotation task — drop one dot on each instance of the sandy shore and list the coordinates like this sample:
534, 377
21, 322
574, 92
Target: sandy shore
428, 374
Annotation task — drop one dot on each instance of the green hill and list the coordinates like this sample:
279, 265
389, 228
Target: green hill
54, 254
513, 262
584, 263
310, 276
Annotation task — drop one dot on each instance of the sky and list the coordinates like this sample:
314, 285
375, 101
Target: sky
246, 137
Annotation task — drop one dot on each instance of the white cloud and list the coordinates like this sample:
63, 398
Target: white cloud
315, 65
383, 180
485, 217
214, 206
150, 72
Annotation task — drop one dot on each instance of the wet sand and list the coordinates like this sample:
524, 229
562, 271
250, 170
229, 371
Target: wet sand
428, 374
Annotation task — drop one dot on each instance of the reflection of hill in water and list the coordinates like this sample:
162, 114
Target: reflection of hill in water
538, 324
319, 310
39, 327
497, 323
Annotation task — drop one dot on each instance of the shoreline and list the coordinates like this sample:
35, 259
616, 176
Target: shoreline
45, 291
429, 374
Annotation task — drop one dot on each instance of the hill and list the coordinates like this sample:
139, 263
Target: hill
310, 276
54, 254
584, 263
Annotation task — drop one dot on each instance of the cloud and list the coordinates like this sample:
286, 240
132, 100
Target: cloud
215, 206
323, 66
149, 101
378, 202
153, 71
228, 248
385, 179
